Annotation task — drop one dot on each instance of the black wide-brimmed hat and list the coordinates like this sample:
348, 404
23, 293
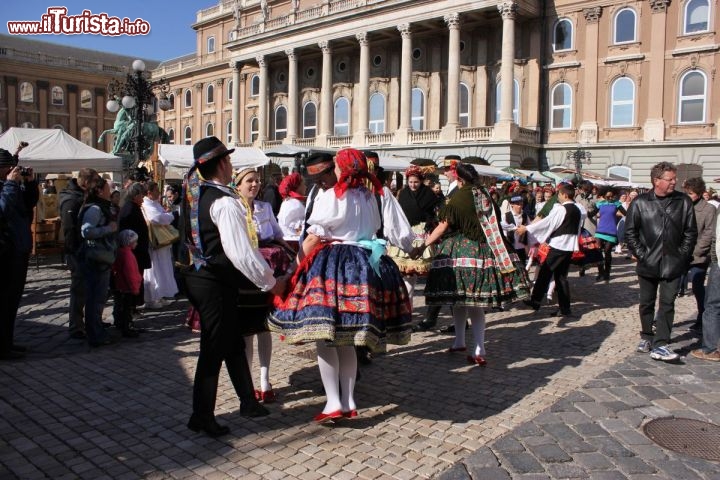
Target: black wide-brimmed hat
209, 149
318, 163
6, 159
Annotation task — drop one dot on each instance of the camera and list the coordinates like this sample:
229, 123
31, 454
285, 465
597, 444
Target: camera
24, 172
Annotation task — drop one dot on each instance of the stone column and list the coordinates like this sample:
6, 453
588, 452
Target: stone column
219, 114
293, 95
362, 105
654, 127
326, 94
236, 102
449, 131
72, 90
263, 110
100, 118
179, 103
12, 97
242, 120
504, 129
43, 87
401, 135
198, 127
589, 126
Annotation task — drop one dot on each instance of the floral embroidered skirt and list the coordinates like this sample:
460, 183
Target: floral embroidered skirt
336, 296
254, 304
465, 272
407, 265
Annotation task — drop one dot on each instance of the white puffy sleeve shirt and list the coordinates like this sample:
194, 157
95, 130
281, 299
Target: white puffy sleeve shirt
349, 219
265, 223
227, 214
291, 218
396, 227
154, 212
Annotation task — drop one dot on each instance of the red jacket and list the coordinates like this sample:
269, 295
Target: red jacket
126, 272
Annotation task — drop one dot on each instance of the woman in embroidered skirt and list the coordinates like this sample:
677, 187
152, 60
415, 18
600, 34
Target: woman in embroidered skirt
292, 211
266, 234
609, 213
346, 293
473, 267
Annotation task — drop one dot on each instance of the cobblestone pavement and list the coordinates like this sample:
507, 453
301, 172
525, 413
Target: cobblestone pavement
560, 398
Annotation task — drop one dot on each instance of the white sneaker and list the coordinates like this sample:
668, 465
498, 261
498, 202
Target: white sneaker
664, 354
643, 346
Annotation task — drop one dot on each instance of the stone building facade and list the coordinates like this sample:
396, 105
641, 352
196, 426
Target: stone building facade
631, 81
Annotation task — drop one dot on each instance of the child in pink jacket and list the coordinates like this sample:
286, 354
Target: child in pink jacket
127, 281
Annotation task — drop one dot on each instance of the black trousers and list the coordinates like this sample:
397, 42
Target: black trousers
649, 288
15, 267
555, 267
220, 340
123, 306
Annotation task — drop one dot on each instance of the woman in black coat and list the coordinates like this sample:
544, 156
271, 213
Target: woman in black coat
132, 218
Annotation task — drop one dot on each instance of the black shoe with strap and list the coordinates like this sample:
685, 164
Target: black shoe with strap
209, 426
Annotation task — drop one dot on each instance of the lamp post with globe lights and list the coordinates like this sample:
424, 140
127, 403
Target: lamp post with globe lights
578, 156
136, 95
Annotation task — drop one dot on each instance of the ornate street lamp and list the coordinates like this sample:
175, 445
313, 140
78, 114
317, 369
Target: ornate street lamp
579, 156
135, 95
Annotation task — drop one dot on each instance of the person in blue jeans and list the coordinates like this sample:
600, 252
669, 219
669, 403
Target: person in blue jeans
711, 315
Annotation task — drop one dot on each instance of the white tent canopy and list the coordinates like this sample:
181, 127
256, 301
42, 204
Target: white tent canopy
182, 156
51, 150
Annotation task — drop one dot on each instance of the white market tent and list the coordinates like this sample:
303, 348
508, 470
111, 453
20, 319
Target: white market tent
52, 150
181, 156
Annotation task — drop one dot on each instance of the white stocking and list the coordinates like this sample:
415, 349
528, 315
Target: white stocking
460, 315
410, 285
264, 356
329, 365
477, 317
551, 289
348, 372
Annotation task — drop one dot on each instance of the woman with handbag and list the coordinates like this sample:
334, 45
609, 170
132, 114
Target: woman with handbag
159, 279
96, 255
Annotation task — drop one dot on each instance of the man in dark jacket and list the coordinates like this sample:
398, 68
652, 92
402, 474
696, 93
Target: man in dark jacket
661, 232
18, 195
71, 199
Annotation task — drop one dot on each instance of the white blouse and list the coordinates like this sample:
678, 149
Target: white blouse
266, 225
291, 218
155, 213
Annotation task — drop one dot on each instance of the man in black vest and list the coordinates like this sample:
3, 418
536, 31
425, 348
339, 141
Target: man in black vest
560, 229
225, 260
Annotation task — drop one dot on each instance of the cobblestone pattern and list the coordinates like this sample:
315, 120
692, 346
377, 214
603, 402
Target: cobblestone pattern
120, 411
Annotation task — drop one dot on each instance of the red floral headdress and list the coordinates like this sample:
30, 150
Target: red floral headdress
353, 169
289, 185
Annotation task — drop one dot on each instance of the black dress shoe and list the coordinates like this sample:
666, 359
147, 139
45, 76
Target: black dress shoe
101, 343
211, 427
253, 410
11, 355
532, 304
78, 335
130, 333
18, 348
423, 326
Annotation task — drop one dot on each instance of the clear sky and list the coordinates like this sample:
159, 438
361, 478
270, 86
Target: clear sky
170, 20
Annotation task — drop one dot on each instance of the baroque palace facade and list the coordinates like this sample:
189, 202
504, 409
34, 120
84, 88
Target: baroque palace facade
45, 85
630, 81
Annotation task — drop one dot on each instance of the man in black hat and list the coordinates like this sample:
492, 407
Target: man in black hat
18, 195
225, 261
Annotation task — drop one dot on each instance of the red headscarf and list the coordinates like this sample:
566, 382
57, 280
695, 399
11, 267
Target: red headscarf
289, 185
353, 169
414, 171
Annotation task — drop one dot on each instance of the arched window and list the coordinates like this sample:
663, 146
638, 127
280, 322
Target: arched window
622, 106
1, 128
563, 35
516, 101
27, 92
620, 172
377, 113
27, 125
697, 16
561, 107
255, 86
209, 130
230, 91
464, 109
228, 132
309, 120
86, 99
625, 22
58, 95
417, 120
171, 99
210, 94
280, 122
254, 129
171, 136
188, 136
211, 44
342, 117
57, 126
86, 136
188, 98
693, 97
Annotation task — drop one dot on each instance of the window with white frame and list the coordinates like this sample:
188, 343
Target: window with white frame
171, 136
516, 101
561, 107
58, 95
188, 98
563, 35
210, 94
309, 120
697, 16
622, 103
211, 44
254, 129
693, 92
57, 126
255, 86
188, 136
27, 92
464, 108
228, 132
417, 109
280, 122
171, 99
230, 91
625, 26
86, 136
342, 117
620, 172
209, 130
376, 123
